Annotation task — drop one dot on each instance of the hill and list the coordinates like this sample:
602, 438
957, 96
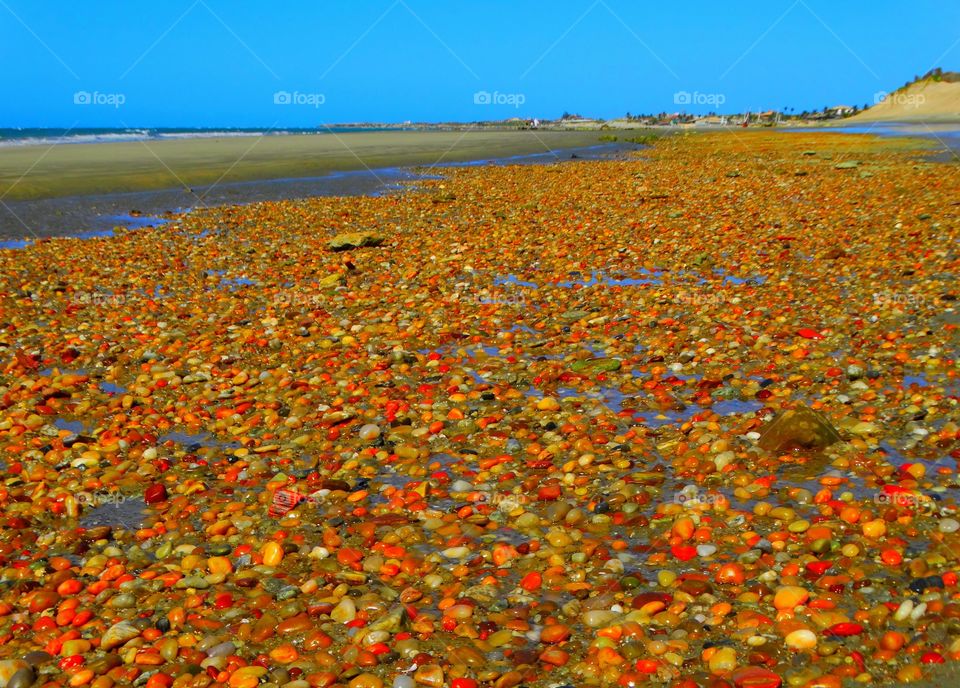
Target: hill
934, 97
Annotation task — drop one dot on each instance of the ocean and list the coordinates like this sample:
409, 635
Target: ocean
27, 136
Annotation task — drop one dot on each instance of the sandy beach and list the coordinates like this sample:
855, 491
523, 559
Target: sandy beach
32, 172
686, 417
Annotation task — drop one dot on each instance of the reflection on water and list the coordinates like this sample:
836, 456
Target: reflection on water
728, 407
947, 135
199, 439
75, 426
16, 243
112, 388
125, 512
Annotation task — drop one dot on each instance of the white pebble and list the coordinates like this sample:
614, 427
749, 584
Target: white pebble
369, 432
918, 611
903, 611
706, 550
949, 525
456, 552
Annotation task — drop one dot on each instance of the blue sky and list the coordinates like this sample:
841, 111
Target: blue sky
303, 63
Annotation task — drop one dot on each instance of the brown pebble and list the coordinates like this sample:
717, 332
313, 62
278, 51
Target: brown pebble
429, 675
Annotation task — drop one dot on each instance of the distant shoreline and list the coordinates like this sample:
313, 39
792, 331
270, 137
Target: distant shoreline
46, 137
180, 161
19, 137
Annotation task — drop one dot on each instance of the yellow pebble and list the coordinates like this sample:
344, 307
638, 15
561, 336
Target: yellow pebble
272, 554
219, 565
548, 404
790, 596
875, 529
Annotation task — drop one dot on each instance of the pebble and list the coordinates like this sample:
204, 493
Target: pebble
904, 611
10, 668
345, 611
224, 649
403, 464
456, 552
369, 432
155, 494
801, 640
366, 680
548, 404
272, 554
118, 634
790, 596
948, 525
723, 661
430, 675
555, 633
598, 618
756, 677
22, 678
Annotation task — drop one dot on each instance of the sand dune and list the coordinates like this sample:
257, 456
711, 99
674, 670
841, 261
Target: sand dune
923, 101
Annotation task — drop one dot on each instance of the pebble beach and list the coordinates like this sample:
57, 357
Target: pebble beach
689, 418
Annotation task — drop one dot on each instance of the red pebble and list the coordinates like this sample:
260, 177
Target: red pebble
531, 581
931, 658
549, 493
755, 677
819, 567
155, 493
379, 648
845, 629
807, 333
74, 661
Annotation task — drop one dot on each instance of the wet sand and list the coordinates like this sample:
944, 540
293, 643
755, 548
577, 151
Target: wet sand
95, 215
31, 172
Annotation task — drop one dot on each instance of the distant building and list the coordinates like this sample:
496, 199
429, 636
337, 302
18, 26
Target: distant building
841, 110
